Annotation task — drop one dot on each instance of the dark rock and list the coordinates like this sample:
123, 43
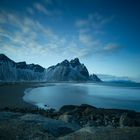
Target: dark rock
86, 115
67, 108
83, 70
78, 116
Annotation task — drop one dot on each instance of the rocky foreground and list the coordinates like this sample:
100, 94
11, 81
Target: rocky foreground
70, 122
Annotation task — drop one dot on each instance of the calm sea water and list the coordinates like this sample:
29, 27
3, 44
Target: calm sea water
120, 96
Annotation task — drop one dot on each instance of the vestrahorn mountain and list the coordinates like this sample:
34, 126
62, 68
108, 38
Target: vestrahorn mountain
73, 70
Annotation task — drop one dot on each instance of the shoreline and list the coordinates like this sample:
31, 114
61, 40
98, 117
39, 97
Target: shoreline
11, 95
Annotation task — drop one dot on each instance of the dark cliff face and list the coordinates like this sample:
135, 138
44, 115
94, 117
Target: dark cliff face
81, 67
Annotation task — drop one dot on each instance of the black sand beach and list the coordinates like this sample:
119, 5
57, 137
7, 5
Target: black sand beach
11, 94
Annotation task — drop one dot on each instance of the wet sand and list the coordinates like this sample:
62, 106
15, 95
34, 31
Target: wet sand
11, 94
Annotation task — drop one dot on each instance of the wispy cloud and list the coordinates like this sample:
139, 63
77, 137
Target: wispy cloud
29, 37
111, 47
90, 30
41, 8
95, 21
30, 10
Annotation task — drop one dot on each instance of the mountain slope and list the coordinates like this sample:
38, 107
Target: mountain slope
94, 78
68, 71
12, 71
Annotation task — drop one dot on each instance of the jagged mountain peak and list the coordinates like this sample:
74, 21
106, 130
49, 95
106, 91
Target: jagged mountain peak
65, 63
75, 62
71, 70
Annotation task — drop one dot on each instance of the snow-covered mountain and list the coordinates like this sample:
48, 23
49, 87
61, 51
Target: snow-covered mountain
65, 71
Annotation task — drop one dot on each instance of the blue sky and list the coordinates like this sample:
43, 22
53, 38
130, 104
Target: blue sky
103, 34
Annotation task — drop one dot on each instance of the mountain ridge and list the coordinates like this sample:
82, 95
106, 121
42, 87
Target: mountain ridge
66, 70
